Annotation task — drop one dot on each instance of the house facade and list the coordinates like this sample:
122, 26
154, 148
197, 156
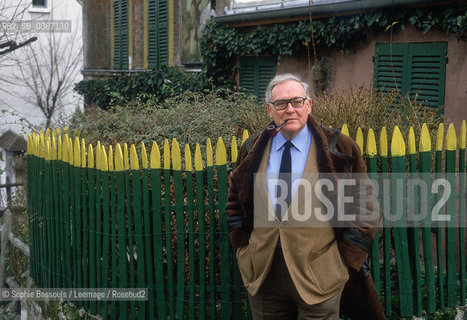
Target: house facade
430, 65
127, 36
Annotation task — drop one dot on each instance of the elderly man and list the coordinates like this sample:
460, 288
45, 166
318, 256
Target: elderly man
297, 271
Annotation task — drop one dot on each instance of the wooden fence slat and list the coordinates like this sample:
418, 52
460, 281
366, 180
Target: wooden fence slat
425, 156
450, 231
129, 226
383, 152
168, 230
191, 234
138, 221
372, 166
180, 227
212, 234
123, 263
462, 213
113, 230
201, 217
438, 230
157, 222
105, 228
148, 252
224, 243
92, 223
401, 245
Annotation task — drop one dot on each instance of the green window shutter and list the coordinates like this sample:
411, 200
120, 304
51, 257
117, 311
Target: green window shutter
417, 69
255, 74
428, 72
158, 33
120, 34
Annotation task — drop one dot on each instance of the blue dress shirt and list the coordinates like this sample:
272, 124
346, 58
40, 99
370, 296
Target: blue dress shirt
299, 153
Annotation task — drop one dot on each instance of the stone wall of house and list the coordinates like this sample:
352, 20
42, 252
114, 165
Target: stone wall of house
96, 34
355, 69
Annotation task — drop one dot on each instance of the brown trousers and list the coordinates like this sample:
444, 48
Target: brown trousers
278, 299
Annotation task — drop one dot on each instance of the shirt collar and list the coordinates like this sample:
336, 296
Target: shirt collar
299, 142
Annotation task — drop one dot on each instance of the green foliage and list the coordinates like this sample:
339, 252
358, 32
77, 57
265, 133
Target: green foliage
370, 109
158, 84
220, 44
190, 117
362, 108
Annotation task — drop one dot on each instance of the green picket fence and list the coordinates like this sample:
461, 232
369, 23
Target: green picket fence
116, 220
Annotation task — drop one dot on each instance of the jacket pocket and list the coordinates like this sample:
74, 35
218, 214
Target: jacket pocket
327, 270
245, 255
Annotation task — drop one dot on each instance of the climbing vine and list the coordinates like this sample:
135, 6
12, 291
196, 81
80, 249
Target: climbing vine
220, 44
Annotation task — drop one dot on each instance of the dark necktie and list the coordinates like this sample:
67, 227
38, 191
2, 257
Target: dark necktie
285, 174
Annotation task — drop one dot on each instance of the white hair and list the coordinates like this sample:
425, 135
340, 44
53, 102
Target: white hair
280, 78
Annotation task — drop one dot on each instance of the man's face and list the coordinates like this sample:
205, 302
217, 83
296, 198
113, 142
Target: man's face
297, 118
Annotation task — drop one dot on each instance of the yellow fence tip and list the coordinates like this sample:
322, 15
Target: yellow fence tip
65, 152
59, 148
451, 139
209, 158
144, 156
198, 159
188, 164
70, 151
359, 139
155, 156
245, 135
111, 159
98, 155
234, 150
37, 145
90, 156
176, 155
118, 158
397, 143
371, 144
83, 153
345, 130
383, 142
439, 137
424, 144
47, 134
104, 161
58, 131
48, 150
411, 141
221, 154
54, 148
126, 158
462, 135
77, 153
166, 154
134, 158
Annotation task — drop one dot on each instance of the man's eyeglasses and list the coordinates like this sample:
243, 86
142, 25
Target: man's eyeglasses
296, 102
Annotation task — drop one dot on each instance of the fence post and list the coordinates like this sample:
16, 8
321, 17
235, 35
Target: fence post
5, 246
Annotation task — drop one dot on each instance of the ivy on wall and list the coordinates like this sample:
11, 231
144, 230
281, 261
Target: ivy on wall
220, 44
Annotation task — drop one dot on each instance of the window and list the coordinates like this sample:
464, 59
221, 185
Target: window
39, 3
120, 34
417, 69
158, 33
255, 74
